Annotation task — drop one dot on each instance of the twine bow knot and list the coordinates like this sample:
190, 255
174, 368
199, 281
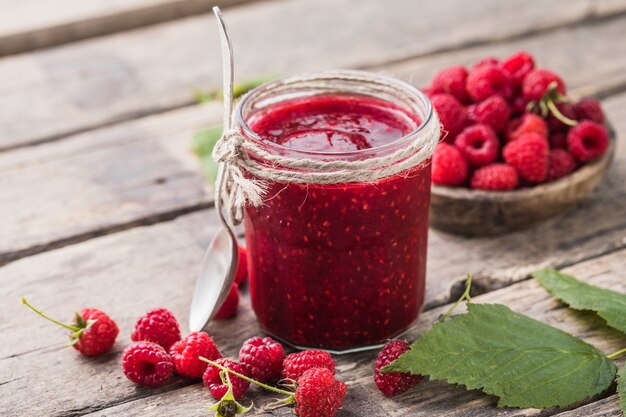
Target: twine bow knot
237, 190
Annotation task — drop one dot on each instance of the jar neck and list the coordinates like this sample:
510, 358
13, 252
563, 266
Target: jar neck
400, 96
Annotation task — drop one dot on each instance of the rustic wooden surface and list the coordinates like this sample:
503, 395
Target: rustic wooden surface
103, 204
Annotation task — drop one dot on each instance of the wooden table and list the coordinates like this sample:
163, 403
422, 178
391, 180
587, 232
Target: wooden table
102, 204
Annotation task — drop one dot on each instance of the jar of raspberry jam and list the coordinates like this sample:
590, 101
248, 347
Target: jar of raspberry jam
338, 266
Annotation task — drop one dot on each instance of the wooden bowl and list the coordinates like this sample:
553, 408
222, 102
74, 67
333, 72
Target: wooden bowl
483, 213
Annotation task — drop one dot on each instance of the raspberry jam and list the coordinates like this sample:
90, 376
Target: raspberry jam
340, 266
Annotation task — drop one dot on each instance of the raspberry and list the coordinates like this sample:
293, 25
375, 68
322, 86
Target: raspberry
393, 383
493, 112
185, 354
488, 80
229, 308
479, 145
262, 359
452, 115
451, 81
518, 105
212, 380
487, 61
93, 331
589, 109
554, 124
558, 140
242, 266
147, 364
296, 364
537, 81
518, 66
319, 394
529, 155
561, 164
97, 338
158, 326
495, 177
528, 123
587, 141
449, 166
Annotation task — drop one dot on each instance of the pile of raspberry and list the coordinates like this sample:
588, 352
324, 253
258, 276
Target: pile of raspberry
158, 352
507, 124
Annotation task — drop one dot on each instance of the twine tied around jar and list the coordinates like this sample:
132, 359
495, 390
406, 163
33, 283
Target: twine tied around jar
236, 189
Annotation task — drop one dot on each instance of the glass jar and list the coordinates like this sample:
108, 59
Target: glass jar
339, 267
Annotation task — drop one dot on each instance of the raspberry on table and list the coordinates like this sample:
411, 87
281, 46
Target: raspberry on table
296, 364
518, 65
319, 394
262, 358
527, 123
495, 177
479, 145
452, 115
489, 80
212, 380
242, 267
493, 112
99, 336
537, 81
587, 141
561, 164
186, 352
589, 109
147, 364
93, 331
393, 383
229, 308
451, 81
158, 326
529, 155
449, 166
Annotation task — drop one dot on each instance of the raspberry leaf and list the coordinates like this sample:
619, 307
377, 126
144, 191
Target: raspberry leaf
202, 145
522, 361
609, 305
621, 390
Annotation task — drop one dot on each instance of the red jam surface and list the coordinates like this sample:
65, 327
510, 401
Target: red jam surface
338, 266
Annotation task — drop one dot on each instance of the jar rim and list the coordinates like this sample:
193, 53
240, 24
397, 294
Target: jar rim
378, 78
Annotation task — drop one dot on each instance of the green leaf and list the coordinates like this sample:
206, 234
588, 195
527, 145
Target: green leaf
621, 390
202, 145
523, 361
609, 305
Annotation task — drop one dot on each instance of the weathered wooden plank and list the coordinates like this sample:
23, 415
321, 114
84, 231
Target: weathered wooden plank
104, 180
607, 407
104, 80
129, 272
34, 24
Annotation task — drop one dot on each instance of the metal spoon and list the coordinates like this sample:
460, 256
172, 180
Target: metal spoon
219, 264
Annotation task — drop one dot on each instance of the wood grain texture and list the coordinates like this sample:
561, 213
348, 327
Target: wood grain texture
607, 407
93, 183
101, 81
32, 24
130, 272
